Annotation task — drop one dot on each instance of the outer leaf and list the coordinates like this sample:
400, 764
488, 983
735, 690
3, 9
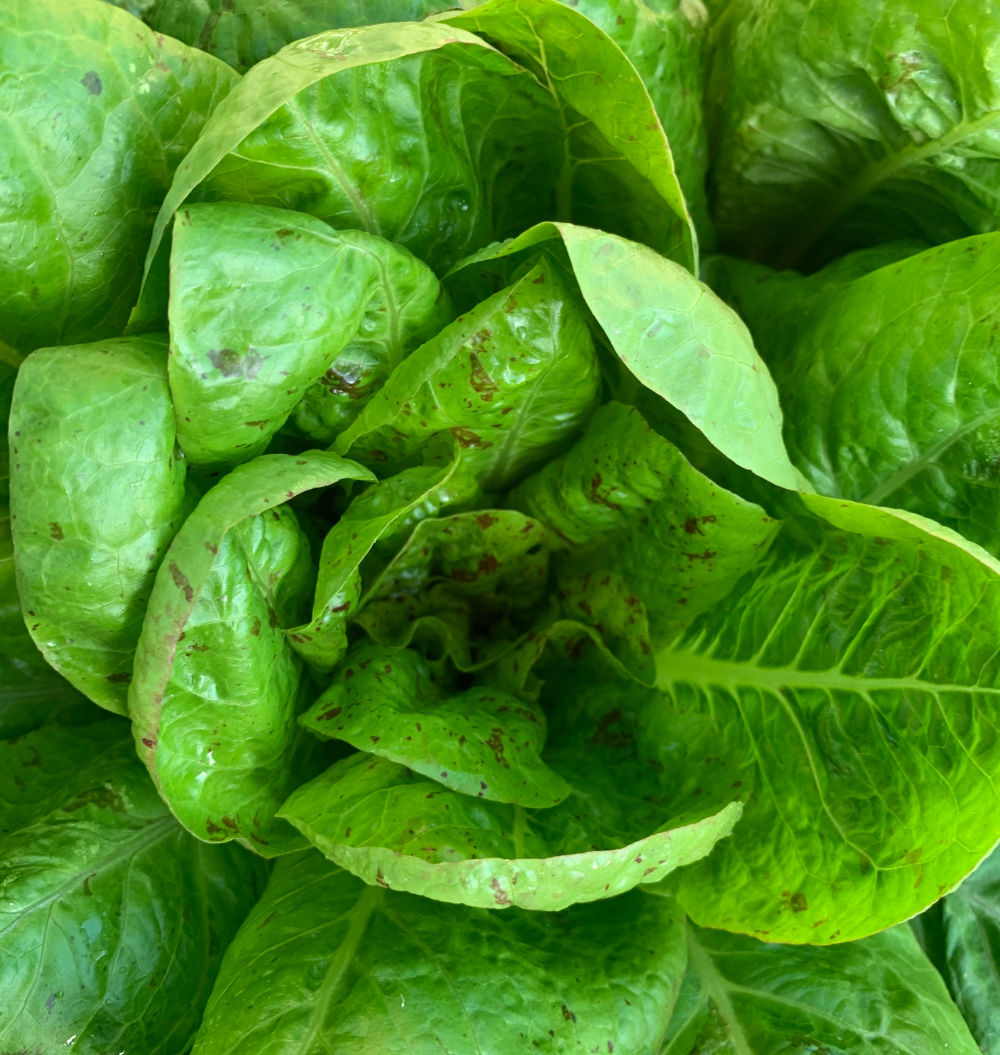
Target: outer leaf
264, 304
971, 922
512, 380
675, 337
97, 495
256, 29
880, 995
624, 499
891, 386
90, 144
181, 598
401, 831
665, 42
32, 694
225, 743
618, 171
865, 123
113, 920
386, 974
848, 688
482, 742
437, 107
473, 583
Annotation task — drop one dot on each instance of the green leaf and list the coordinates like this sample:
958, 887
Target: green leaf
847, 688
97, 493
32, 694
665, 42
214, 675
624, 499
398, 830
98, 112
970, 918
472, 583
862, 124
674, 336
617, 171
388, 974
482, 742
512, 380
891, 387
386, 510
329, 122
268, 306
113, 919
258, 28
877, 995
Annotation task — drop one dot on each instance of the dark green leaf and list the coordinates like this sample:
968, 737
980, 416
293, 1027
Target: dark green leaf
879, 996
113, 919
355, 970
840, 123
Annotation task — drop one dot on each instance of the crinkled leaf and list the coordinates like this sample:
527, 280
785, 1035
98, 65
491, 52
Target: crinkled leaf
97, 494
838, 124
970, 922
847, 688
472, 582
617, 172
268, 307
891, 386
464, 137
113, 919
384, 510
186, 702
380, 973
512, 380
243, 35
673, 335
624, 499
400, 830
479, 741
98, 112
879, 995
665, 42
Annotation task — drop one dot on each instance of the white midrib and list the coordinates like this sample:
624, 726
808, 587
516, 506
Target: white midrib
718, 992
154, 832
673, 667
854, 189
338, 968
928, 457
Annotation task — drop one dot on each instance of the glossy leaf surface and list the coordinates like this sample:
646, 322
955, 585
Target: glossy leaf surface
113, 919
848, 687
267, 305
91, 141
485, 379
389, 974
863, 125
98, 494
186, 704
482, 742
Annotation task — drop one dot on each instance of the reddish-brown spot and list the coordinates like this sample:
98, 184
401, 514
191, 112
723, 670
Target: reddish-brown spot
181, 581
499, 894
